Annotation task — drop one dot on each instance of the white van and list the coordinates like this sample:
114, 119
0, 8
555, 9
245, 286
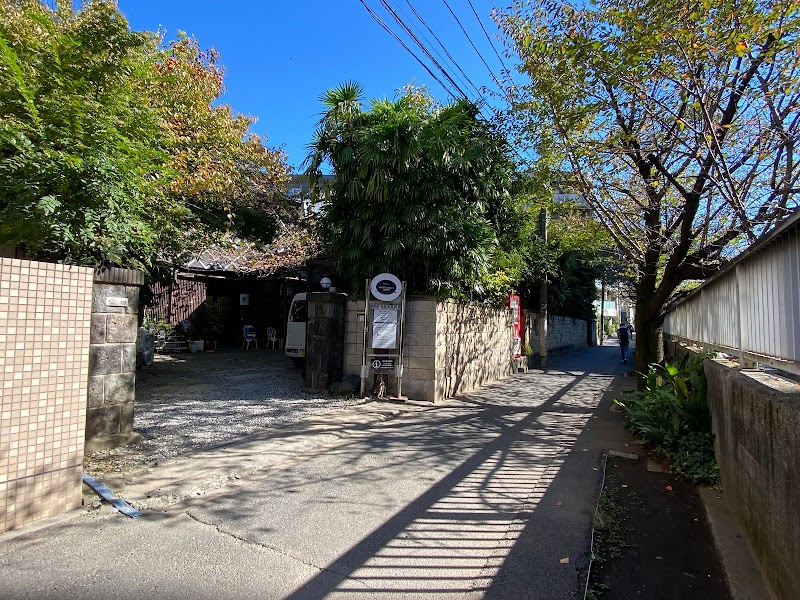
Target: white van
295, 347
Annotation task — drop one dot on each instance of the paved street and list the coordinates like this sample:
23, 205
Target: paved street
488, 496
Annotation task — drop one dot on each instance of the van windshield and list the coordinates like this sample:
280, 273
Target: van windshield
299, 312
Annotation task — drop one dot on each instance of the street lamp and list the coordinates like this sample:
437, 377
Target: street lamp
325, 282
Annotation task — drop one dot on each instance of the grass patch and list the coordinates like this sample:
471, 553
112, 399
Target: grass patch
608, 521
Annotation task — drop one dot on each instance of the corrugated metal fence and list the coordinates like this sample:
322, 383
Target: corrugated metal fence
752, 310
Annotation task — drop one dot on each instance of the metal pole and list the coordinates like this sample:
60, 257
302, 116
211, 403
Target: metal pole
364, 368
543, 296
602, 306
399, 368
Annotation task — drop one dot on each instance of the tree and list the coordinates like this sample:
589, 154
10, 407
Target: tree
113, 146
81, 156
223, 173
421, 190
678, 123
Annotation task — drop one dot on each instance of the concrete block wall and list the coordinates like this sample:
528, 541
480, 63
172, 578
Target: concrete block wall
112, 358
449, 348
423, 375
475, 346
44, 362
565, 335
756, 424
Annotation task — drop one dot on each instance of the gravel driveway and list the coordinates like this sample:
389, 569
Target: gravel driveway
188, 402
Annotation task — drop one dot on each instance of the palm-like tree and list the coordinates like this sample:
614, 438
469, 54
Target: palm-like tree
416, 185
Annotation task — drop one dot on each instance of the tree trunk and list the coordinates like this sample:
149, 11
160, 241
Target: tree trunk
649, 338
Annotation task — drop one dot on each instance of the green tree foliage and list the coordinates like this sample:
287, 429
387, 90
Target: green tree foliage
677, 121
110, 147
81, 156
421, 190
223, 174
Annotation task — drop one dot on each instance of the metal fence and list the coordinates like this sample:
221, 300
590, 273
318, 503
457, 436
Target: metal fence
751, 310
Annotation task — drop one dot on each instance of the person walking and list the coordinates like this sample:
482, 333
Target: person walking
624, 337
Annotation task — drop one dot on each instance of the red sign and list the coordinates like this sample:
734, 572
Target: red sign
516, 319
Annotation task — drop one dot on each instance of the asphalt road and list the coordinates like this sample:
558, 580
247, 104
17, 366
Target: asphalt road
487, 496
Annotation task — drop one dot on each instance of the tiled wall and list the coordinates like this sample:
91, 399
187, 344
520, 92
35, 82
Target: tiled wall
44, 359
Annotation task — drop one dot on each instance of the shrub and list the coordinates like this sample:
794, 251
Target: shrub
671, 414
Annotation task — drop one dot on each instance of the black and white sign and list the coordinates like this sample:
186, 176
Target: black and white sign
383, 364
384, 328
386, 287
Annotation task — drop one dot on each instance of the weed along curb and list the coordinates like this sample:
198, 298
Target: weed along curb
650, 536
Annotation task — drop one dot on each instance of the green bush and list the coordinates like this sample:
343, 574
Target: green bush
671, 414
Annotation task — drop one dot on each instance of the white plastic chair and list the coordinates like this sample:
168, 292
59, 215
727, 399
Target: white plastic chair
249, 334
272, 338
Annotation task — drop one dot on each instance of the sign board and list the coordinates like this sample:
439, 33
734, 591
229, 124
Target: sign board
386, 287
384, 327
383, 364
112, 301
244, 299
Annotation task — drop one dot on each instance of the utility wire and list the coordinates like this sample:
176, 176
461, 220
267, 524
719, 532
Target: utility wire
402, 43
482, 104
436, 63
491, 43
469, 39
462, 79
422, 47
450, 56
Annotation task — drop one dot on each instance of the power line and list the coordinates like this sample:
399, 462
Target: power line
450, 56
422, 47
484, 104
486, 33
402, 43
469, 39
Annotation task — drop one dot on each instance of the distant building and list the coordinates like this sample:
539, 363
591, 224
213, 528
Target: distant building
299, 188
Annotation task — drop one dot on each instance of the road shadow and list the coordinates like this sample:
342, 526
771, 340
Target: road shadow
511, 520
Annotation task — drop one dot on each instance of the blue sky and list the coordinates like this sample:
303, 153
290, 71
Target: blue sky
281, 56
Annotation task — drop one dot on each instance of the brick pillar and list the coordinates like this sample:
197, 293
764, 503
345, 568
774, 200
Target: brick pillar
112, 358
325, 339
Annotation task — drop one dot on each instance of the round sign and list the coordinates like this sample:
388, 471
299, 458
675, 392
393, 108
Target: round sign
376, 364
386, 287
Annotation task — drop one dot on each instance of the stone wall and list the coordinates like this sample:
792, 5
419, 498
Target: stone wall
324, 339
756, 423
565, 335
474, 346
449, 348
112, 358
44, 362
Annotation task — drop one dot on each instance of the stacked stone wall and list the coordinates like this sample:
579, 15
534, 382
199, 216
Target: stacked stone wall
112, 358
474, 347
325, 339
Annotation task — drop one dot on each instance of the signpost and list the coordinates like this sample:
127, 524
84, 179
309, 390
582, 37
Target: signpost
384, 316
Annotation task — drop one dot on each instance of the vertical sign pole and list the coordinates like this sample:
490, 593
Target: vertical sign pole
399, 365
364, 368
